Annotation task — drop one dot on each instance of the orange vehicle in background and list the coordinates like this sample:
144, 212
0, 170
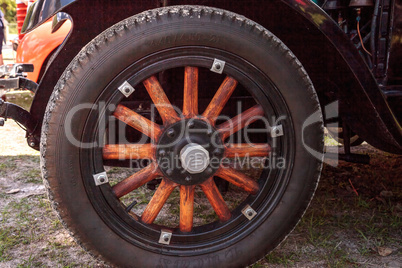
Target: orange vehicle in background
37, 47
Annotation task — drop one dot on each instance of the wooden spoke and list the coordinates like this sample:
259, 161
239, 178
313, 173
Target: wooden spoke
190, 100
161, 101
240, 121
158, 200
136, 180
239, 179
138, 122
220, 99
128, 151
216, 199
247, 150
186, 207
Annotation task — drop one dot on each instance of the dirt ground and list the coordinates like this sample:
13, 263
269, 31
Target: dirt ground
355, 218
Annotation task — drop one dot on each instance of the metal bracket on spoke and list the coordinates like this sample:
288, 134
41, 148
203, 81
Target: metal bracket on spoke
165, 237
276, 131
249, 212
100, 178
218, 66
126, 89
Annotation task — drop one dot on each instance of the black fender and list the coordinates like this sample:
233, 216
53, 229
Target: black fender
331, 60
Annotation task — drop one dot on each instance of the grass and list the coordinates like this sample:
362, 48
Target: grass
356, 210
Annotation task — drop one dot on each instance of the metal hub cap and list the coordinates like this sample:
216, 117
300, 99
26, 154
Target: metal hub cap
194, 158
187, 150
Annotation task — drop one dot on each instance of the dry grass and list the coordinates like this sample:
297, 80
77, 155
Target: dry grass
340, 229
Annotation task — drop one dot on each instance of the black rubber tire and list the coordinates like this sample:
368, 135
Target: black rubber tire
121, 45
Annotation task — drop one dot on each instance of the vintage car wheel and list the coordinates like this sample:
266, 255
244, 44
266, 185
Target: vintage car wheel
204, 61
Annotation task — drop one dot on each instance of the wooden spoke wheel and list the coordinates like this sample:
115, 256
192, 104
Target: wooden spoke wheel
186, 151
211, 113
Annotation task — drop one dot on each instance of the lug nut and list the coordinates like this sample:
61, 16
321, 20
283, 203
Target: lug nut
171, 133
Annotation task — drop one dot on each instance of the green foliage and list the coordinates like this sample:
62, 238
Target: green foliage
9, 8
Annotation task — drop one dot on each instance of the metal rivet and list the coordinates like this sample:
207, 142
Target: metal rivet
169, 172
100, 178
188, 179
218, 66
165, 237
32, 144
249, 212
126, 89
209, 170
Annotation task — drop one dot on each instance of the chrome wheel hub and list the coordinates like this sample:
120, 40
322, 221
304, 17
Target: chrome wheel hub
194, 158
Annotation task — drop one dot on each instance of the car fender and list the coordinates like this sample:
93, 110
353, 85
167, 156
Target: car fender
38, 45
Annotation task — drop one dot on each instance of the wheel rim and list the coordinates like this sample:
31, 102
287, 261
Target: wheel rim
232, 226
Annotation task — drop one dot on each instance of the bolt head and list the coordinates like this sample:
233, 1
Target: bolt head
249, 212
190, 124
209, 132
218, 152
218, 66
171, 133
162, 153
166, 238
102, 179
